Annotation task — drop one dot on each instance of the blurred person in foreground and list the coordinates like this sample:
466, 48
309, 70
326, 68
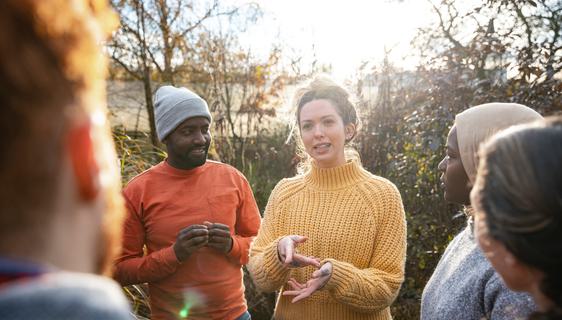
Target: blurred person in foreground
60, 205
517, 200
464, 285
196, 218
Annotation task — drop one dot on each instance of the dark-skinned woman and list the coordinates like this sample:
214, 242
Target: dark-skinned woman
464, 285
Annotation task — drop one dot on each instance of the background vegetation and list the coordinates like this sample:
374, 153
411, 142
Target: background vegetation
513, 53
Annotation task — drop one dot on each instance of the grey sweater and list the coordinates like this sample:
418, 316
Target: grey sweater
64, 296
465, 286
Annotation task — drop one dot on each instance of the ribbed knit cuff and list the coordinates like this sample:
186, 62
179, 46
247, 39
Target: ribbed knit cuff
268, 272
275, 268
339, 277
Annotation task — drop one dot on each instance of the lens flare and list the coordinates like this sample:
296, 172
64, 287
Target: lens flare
191, 300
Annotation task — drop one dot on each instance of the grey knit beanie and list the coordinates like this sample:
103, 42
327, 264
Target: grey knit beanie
174, 105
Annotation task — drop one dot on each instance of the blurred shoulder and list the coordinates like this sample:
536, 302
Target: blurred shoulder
65, 295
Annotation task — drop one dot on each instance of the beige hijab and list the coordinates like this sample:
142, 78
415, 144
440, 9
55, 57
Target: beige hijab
475, 125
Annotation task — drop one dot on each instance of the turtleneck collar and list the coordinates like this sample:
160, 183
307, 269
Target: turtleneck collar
335, 178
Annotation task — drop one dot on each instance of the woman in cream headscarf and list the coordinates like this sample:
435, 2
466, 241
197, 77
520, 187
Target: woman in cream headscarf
464, 285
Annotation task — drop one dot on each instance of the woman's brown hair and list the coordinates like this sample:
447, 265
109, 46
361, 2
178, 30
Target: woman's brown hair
519, 189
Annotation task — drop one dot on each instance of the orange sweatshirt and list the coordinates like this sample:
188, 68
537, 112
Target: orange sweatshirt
163, 200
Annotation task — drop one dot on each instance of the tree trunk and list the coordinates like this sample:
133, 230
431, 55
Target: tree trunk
150, 106
168, 50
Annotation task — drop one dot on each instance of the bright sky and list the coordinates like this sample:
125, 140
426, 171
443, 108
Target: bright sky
340, 33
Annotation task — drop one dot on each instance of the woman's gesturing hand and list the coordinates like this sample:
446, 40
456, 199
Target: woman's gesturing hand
319, 279
288, 255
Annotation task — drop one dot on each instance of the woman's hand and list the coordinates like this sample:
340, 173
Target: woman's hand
288, 255
319, 279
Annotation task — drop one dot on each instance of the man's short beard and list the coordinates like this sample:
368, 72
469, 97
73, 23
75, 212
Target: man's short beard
197, 162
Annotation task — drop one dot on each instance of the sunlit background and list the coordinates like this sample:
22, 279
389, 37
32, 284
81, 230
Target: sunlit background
410, 66
341, 34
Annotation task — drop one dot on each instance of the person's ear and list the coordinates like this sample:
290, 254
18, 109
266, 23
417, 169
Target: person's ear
85, 168
350, 131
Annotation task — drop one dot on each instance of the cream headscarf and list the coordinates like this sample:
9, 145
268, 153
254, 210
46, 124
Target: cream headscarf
475, 125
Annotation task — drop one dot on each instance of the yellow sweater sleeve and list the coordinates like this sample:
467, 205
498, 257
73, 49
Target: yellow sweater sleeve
268, 273
375, 288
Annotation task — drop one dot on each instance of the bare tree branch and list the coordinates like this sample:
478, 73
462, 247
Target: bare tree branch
446, 30
126, 67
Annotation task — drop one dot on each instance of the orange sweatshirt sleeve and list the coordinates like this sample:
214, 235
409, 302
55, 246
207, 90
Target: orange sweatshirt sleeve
132, 267
247, 224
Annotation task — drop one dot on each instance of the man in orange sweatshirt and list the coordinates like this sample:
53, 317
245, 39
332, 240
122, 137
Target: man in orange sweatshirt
196, 218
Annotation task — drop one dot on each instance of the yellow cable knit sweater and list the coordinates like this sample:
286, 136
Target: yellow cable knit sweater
351, 218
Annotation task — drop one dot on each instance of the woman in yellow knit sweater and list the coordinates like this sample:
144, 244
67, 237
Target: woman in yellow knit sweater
333, 239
